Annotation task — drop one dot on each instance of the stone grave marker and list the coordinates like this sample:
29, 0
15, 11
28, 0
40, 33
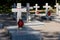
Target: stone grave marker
47, 7
36, 8
57, 17
19, 10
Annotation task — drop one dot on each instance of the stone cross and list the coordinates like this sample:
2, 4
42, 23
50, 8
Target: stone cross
19, 10
14, 14
14, 5
46, 6
28, 12
36, 6
57, 7
59, 10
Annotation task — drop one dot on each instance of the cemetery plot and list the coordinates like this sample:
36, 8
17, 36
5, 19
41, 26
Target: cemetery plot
7, 20
20, 15
29, 31
25, 35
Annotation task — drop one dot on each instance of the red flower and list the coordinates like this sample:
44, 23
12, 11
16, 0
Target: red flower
49, 13
37, 12
20, 23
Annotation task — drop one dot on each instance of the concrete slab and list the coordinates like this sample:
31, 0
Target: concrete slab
25, 35
28, 24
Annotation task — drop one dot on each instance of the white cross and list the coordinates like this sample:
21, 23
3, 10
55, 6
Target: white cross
18, 10
59, 10
28, 6
46, 6
36, 6
57, 7
28, 12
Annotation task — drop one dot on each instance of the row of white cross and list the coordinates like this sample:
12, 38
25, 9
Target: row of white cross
19, 9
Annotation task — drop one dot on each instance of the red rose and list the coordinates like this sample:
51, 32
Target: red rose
20, 23
49, 13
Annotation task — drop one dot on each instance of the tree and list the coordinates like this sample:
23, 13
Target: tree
5, 5
58, 1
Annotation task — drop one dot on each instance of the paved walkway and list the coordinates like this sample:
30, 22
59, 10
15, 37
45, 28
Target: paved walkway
49, 27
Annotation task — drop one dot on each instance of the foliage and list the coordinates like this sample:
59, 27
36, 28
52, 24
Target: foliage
6, 5
58, 1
